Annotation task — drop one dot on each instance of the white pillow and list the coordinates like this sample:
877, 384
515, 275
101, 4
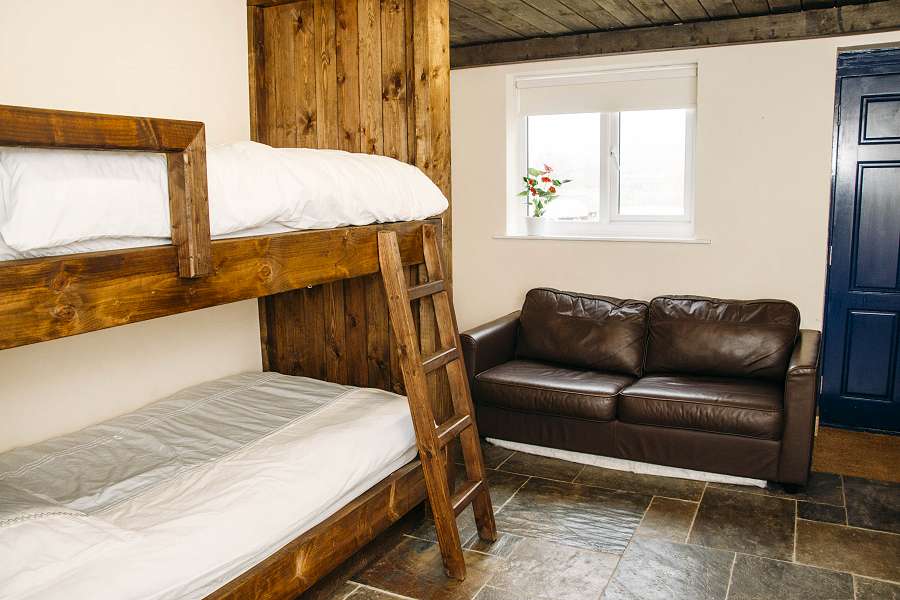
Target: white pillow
249, 187
357, 189
58, 197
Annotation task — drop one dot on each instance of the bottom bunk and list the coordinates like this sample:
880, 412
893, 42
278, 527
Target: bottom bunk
252, 486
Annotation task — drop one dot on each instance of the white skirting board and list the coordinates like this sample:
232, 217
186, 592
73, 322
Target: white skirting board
632, 466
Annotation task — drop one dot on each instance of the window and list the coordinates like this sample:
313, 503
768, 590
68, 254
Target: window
624, 138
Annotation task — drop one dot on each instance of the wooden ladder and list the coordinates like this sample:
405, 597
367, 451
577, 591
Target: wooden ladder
432, 438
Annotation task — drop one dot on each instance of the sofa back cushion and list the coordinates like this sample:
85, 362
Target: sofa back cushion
730, 338
580, 330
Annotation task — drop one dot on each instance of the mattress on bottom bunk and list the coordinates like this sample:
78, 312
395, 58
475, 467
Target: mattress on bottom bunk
182, 496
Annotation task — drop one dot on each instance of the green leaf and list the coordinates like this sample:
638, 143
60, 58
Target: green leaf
534, 172
525, 193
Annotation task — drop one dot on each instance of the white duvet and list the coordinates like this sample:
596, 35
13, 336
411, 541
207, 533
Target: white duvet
70, 198
172, 502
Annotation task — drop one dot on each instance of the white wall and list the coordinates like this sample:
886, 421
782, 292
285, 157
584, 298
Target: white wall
165, 58
763, 168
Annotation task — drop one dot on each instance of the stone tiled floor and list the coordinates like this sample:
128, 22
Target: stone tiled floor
574, 532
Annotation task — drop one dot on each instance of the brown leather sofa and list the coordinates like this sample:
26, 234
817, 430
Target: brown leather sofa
715, 385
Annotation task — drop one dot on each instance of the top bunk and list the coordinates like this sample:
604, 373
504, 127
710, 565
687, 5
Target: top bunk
51, 297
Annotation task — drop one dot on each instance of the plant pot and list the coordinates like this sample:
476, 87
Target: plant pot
535, 225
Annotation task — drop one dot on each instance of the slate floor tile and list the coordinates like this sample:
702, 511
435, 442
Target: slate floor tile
659, 570
841, 548
364, 593
824, 488
493, 455
465, 523
413, 568
748, 523
873, 504
573, 515
755, 578
654, 485
502, 546
541, 466
870, 589
667, 519
542, 570
338, 592
492, 593
827, 513
502, 486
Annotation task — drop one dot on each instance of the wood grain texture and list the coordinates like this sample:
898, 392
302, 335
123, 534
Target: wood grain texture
493, 12
298, 565
625, 12
183, 142
477, 22
49, 298
690, 10
841, 20
471, 27
363, 76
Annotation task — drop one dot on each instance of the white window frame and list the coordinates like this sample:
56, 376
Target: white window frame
611, 223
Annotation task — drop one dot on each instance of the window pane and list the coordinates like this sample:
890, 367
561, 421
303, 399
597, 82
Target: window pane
652, 162
571, 144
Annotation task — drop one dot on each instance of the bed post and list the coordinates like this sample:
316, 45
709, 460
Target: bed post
183, 143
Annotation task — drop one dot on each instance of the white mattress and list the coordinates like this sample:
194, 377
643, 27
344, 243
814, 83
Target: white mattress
178, 498
66, 201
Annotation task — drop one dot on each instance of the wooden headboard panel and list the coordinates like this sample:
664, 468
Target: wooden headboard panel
183, 142
363, 76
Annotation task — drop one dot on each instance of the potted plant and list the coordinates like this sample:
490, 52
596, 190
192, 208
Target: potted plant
541, 188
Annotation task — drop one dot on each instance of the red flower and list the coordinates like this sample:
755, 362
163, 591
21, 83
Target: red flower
533, 192
546, 179
532, 181
552, 190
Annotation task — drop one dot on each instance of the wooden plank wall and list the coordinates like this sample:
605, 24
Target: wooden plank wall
363, 76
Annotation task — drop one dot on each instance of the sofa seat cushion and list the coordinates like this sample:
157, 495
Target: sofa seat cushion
539, 387
748, 407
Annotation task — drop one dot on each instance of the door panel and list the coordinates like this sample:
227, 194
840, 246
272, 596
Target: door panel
870, 354
861, 358
878, 229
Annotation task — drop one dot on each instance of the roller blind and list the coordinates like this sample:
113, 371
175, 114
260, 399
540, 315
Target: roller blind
609, 91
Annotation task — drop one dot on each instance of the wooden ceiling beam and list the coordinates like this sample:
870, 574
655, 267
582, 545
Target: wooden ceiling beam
841, 20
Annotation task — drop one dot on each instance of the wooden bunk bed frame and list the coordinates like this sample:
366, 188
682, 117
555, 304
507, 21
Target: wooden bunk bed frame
48, 298
357, 75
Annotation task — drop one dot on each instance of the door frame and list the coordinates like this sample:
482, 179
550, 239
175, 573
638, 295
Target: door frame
851, 62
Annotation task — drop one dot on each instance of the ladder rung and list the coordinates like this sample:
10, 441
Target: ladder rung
426, 289
451, 428
465, 495
439, 359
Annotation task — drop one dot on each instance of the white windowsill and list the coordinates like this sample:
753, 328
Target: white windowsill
606, 238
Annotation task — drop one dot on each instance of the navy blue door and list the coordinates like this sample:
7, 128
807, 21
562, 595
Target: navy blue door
861, 360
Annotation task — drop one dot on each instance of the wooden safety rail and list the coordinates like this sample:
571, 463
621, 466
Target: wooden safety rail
183, 143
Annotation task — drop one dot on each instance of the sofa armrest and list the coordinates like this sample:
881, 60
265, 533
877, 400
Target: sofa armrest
800, 409
489, 345
805, 357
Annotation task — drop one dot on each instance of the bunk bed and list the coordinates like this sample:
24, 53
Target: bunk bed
52, 297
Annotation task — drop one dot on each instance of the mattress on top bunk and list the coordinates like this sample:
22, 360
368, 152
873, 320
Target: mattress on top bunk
180, 497
60, 201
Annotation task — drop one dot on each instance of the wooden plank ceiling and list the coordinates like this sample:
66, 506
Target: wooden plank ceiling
483, 21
